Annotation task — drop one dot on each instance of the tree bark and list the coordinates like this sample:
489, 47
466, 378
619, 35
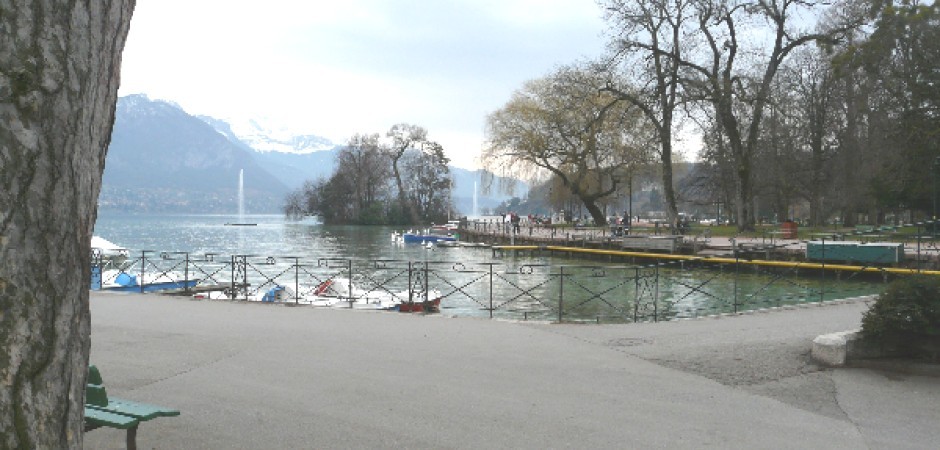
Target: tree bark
59, 75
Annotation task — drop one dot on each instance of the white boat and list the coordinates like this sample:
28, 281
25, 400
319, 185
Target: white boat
335, 292
103, 247
121, 280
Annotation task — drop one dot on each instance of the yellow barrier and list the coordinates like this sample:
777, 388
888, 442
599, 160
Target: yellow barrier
718, 260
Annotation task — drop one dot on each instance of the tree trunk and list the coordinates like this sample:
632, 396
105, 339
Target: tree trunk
669, 191
595, 211
59, 75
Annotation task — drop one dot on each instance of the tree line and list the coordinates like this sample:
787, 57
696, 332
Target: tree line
831, 106
403, 179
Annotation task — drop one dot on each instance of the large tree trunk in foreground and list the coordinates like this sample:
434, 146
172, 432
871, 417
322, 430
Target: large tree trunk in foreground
59, 74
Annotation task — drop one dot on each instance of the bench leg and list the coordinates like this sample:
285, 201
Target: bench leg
132, 438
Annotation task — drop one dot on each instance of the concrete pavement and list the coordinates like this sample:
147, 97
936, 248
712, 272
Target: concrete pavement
271, 376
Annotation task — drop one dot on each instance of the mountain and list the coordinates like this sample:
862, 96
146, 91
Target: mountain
299, 158
292, 159
266, 138
162, 159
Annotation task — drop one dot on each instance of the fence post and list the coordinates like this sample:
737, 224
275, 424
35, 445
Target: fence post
425, 299
245, 275
186, 273
349, 281
232, 278
561, 294
737, 265
411, 286
143, 268
636, 295
656, 296
822, 286
491, 290
296, 280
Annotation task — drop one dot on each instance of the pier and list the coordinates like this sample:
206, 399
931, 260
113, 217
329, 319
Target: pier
897, 254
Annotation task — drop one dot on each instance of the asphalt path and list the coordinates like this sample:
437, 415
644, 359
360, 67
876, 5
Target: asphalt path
262, 376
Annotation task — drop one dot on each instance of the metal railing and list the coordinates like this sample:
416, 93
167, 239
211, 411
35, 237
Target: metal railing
508, 288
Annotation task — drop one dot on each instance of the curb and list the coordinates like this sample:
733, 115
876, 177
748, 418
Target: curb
833, 349
846, 349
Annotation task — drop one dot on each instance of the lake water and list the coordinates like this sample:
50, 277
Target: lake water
474, 281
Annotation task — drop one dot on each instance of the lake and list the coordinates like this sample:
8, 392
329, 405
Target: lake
473, 281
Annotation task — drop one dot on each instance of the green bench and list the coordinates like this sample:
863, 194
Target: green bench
102, 411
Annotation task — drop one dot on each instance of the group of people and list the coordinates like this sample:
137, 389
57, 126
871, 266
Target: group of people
512, 221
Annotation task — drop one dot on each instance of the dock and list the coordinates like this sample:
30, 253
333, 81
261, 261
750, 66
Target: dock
654, 244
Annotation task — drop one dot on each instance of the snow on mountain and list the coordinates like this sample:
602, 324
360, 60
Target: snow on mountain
264, 137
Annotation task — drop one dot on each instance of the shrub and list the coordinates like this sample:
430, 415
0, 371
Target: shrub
906, 317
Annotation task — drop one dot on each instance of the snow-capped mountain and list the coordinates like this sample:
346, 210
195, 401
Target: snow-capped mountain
263, 137
161, 159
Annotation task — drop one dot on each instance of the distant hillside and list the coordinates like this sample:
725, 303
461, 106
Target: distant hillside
293, 166
163, 159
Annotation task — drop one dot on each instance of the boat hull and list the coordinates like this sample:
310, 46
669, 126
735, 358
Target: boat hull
152, 287
425, 306
409, 238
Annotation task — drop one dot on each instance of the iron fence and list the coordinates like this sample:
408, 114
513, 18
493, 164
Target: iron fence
514, 288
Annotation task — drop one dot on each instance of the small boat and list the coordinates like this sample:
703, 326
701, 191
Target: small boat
122, 281
241, 224
448, 228
415, 238
428, 306
335, 293
106, 248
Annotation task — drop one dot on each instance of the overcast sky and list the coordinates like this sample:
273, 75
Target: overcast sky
338, 67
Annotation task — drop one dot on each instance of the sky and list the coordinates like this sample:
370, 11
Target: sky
335, 68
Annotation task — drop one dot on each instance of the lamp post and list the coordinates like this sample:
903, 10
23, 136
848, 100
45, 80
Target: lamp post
936, 174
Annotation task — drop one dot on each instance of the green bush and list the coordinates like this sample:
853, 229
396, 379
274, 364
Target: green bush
906, 317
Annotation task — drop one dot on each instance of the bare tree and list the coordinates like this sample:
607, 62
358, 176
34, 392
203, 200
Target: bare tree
647, 44
59, 75
564, 124
810, 79
735, 78
404, 137
428, 182
364, 167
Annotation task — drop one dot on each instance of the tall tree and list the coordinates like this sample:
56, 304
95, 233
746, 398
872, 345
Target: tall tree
902, 58
735, 78
366, 170
811, 81
404, 137
59, 75
647, 44
428, 183
565, 125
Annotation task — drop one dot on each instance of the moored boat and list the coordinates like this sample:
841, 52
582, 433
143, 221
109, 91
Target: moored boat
415, 238
123, 281
337, 293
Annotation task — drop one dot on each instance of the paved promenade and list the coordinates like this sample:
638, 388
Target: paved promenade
263, 376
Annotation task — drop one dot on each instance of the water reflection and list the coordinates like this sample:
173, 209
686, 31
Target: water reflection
474, 282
